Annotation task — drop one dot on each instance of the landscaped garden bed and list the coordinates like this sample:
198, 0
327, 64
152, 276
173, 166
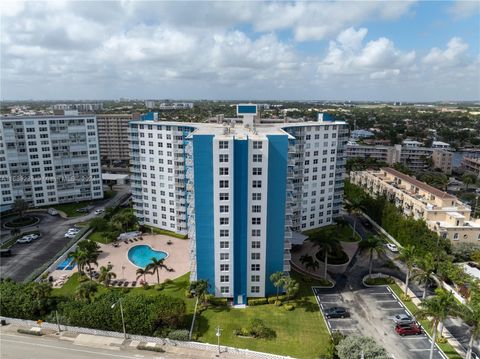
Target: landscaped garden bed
19, 222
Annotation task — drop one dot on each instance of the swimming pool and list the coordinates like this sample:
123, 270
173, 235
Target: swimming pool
67, 264
142, 255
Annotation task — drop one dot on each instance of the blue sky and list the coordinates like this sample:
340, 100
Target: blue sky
397, 51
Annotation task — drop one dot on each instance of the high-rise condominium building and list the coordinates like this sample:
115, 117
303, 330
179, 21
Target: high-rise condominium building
113, 137
49, 159
239, 188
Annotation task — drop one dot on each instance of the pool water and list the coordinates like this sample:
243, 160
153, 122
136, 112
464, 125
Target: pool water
67, 264
142, 255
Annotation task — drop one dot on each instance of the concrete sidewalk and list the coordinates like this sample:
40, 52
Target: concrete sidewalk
118, 345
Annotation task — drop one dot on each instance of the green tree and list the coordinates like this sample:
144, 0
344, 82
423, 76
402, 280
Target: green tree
407, 255
372, 245
155, 266
86, 290
354, 347
143, 273
278, 280
471, 315
88, 252
291, 287
326, 244
424, 273
354, 206
79, 256
20, 206
200, 288
468, 178
100, 224
125, 220
106, 274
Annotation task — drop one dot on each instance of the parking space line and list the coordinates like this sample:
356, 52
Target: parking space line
387, 301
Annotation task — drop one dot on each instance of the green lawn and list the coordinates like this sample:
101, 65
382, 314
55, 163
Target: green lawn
301, 333
165, 232
70, 209
98, 237
447, 348
342, 232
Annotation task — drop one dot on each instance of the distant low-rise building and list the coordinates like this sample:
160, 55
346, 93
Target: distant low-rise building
411, 155
81, 107
355, 134
440, 144
472, 164
442, 212
176, 105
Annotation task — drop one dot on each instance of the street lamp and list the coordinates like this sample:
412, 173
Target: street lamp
123, 319
218, 333
123, 272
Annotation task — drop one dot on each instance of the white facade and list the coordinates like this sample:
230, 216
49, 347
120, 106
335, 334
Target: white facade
164, 194
49, 160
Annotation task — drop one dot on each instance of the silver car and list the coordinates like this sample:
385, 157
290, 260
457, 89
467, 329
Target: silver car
403, 319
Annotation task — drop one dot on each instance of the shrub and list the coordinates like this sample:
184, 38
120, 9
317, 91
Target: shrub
289, 307
160, 287
180, 334
272, 300
257, 301
143, 346
324, 282
355, 347
218, 302
278, 303
405, 297
258, 329
188, 294
168, 281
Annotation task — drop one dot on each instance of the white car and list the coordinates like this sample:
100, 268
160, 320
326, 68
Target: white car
52, 212
99, 211
73, 230
392, 247
70, 235
25, 239
33, 236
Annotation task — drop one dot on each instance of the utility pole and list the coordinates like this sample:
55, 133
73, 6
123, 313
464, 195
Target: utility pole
58, 322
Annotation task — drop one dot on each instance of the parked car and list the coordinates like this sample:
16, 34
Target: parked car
99, 211
6, 252
33, 236
403, 319
392, 247
24, 239
52, 212
366, 223
83, 210
408, 329
337, 312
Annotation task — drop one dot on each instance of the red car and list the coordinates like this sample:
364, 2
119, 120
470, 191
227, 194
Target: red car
408, 329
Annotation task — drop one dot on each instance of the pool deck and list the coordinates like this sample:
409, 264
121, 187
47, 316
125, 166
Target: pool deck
178, 259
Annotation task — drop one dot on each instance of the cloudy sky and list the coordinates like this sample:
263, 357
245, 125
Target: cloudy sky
241, 50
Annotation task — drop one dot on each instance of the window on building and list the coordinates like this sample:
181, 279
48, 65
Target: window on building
257, 171
224, 184
257, 145
255, 278
256, 196
255, 267
255, 256
224, 233
224, 290
223, 145
256, 220
257, 184
257, 158
224, 220
223, 209
223, 171
255, 244
224, 196
224, 256
224, 244
256, 233
255, 289
224, 279
222, 158
224, 267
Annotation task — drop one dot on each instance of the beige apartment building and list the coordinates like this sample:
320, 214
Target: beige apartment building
442, 212
472, 164
113, 138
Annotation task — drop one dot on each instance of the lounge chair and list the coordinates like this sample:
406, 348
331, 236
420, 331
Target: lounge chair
126, 283
126, 242
114, 282
141, 238
134, 283
120, 283
135, 239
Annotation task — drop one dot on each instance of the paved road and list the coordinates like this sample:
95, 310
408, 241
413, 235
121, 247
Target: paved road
27, 258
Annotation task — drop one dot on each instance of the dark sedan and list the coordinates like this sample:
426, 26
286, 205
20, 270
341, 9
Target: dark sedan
336, 312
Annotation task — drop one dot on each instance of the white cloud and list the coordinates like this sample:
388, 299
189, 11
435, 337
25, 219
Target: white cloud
462, 9
347, 56
453, 55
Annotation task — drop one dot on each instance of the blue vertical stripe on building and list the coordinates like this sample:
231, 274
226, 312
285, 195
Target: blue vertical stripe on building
276, 197
240, 215
204, 228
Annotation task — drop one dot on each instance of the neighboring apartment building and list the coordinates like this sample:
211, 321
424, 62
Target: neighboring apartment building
175, 105
411, 155
443, 213
113, 137
81, 107
238, 188
48, 160
472, 164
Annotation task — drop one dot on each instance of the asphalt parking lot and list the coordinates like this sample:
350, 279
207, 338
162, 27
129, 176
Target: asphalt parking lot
26, 258
371, 314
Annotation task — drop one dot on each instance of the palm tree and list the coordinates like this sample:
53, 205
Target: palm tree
291, 287
142, 273
277, 279
106, 274
155, 265
309, 262
448, 305
86, 290
354, 206
326, 245
471, 315
372, 245
79, 256
200, 287
431, 308
468, 178
407, 255
424, 272
20, 206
